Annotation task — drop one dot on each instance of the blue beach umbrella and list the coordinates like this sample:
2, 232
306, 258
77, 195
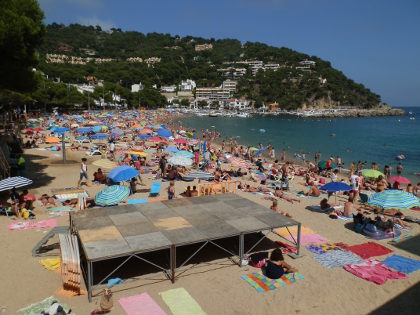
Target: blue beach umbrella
164, 133
336, 186
122, 173
99, 136
83, 129
81, 138
185, 154
97, 128
112, 195
171, 149
394, 199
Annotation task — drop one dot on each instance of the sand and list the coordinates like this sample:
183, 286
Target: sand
216, 286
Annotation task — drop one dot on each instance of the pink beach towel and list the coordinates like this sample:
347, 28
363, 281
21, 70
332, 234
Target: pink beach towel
368, 250
141, 304
309, 238
374, 271
31, 225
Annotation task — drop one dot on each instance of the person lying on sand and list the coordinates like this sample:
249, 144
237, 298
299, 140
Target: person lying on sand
275, 209
276, 267
45, 199
280, 194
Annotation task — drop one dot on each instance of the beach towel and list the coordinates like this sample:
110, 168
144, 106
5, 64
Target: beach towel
39, 307
308, 238
141, 304
402, 264
61, 209
337, 258
368, 250
399, 239
180, 302
325, 247
29, 225
263, 284
155, 189
373, 271
51, 263
293, 230
286, 248
136, 201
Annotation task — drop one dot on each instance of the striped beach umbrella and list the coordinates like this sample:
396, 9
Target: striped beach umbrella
112, 195
394, 199
15, 182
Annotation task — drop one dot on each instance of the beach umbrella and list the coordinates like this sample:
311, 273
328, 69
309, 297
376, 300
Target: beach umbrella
15, 182
105, 164
181, 141
372, 173
81, 138
142, 154
52, 140
164, 133
180, 161
335, 187
117, 131
61, 129
122, 173
399, 179
97, 129
157, 140
143, 137
83, 130
99, 136
184, 153
253, 149
394, 199
171, 149
112, 195
38, 129
323, 164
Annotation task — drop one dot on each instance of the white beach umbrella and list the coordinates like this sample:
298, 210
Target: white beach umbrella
180, 161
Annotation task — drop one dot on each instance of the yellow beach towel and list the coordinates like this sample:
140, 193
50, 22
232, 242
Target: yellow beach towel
51, 263
293, 230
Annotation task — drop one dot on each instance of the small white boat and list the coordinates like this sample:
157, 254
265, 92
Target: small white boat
243, 115
262, 130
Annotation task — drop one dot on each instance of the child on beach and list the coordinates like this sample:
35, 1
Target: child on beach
276, 267
171, 191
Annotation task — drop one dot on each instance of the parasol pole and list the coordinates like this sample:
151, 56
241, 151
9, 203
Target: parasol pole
63, 147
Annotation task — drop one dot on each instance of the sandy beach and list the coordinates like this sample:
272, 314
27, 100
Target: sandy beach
216, 285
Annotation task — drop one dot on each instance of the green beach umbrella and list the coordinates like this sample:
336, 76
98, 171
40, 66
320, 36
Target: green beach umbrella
394, 199
112, 195
253, 149
372, 173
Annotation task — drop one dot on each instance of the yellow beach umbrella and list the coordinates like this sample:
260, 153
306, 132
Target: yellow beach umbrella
142, 154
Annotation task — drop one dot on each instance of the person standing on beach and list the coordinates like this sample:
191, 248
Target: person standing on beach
171, 190
83, 172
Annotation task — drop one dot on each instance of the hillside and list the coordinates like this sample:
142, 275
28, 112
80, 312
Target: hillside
290, 78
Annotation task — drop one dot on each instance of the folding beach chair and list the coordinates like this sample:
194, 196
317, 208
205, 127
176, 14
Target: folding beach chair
155, 189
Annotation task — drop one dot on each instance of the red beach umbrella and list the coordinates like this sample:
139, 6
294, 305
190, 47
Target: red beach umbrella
399, 179
181, 141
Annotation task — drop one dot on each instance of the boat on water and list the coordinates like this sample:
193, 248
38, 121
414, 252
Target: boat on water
243, 115
400, 157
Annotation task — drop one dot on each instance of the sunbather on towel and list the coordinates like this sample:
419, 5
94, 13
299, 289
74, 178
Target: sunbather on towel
313, 191
276, 266
280, 194
45, 199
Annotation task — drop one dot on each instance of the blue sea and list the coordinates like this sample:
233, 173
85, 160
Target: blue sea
371, 139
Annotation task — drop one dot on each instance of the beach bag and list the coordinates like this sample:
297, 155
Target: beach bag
106, 300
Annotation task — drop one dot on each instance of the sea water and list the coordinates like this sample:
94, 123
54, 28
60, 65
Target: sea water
368, 139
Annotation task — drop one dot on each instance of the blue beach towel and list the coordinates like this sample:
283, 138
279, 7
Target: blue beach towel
136, 201
155, 189
402, 264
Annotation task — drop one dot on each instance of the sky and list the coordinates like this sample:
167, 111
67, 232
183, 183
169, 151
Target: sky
374, 42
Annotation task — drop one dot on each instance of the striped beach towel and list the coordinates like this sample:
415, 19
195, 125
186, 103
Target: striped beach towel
263, 284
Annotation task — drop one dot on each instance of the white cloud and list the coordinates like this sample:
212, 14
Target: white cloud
94, 20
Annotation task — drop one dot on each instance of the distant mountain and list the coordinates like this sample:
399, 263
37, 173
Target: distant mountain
265, 74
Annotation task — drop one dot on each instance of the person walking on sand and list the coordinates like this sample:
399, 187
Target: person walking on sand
83, 172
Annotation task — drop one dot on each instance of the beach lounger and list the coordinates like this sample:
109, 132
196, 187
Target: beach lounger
155, 189
136, 201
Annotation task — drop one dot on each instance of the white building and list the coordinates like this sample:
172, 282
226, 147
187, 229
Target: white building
137, 87
82, 88
240, 104
229, 85
308, 63
254, 65
271, 66
168, 89
187, 86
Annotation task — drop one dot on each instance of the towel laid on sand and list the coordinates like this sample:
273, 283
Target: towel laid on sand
39, 307
141, 304
369, 249
263, 284
374, 271
293, 230
325, 247
337, 259
308, 238
30, 225
51, 263
286, 248
402, 264
180, 302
